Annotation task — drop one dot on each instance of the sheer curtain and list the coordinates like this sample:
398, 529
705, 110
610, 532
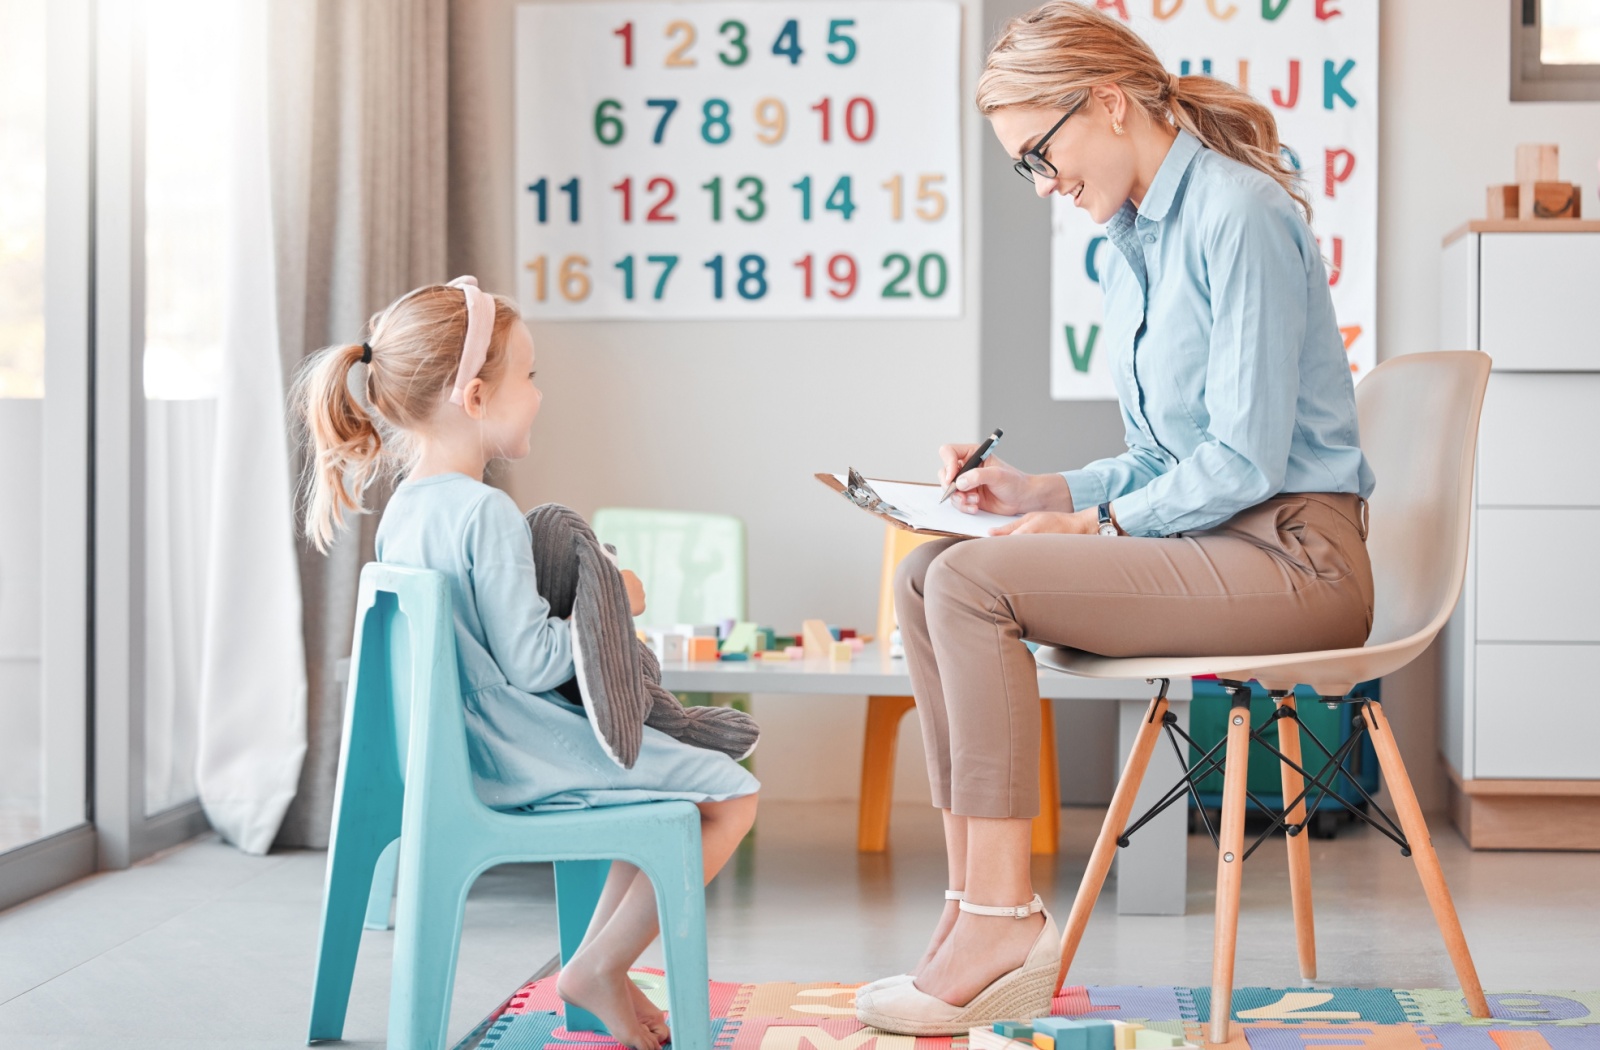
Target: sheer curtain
252, 718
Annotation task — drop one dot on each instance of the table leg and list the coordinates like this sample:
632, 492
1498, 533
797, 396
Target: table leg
1152, 870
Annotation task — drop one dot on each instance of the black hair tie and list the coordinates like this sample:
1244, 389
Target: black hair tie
366, 353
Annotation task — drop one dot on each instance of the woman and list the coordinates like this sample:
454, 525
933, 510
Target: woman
1233, 524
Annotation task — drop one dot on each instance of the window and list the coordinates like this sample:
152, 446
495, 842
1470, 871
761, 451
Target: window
1555, 50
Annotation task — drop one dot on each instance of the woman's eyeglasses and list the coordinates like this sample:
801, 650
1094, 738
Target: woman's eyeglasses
1033, 162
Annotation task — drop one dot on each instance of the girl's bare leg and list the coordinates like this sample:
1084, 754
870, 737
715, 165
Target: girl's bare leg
597, 976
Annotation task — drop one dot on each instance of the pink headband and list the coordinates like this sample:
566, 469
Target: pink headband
480, 326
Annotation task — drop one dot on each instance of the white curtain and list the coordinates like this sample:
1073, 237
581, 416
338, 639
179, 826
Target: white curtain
252, 681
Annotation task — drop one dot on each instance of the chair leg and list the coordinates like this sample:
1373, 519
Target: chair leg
1230, 865
1047, 825
1105, 847
578, 887
681, 906
1427, 861
357, 848
427, 942
382, 895
877, 770
1299, 844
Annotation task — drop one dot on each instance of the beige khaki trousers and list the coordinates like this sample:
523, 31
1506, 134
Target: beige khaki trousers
1289, 575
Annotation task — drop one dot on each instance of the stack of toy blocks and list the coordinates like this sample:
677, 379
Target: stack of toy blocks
1538, 192
1063, 1033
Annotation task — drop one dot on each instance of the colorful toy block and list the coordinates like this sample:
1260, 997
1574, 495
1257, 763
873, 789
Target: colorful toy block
847, 633
741, 638
1015, 1030
776, 654
735, 657
840, 653
670, 646
1100, 1034
989, 1039
702, 648
815, 638
1153, 1039
1062, 1033
1125, 1034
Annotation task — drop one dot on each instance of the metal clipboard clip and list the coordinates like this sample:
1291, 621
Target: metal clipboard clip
861, 494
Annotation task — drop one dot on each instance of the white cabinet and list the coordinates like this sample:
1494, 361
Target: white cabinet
1519, 724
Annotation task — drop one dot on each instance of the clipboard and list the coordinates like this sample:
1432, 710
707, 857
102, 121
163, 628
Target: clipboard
859, 492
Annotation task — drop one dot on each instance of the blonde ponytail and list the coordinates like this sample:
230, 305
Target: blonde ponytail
411, 359
1051, 57
346, 445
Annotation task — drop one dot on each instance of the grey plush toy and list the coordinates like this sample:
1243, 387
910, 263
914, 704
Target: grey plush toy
618, 677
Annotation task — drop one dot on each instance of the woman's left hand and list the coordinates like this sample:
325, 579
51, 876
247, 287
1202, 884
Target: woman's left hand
635, 588
1082, 522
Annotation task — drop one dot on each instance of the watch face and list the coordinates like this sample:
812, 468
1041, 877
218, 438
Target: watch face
1108, 529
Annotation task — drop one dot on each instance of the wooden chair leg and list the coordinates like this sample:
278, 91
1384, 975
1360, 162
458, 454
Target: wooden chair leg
1105, 847
1230, 865
1427, 861
877, 770
1305, 934
1047, 825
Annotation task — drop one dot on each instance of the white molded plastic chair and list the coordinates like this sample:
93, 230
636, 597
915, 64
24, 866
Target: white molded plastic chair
1419, 426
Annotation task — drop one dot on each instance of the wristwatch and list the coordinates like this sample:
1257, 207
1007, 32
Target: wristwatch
1107, 526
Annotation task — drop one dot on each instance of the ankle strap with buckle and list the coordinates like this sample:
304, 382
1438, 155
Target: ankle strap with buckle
955, 895
1018, 911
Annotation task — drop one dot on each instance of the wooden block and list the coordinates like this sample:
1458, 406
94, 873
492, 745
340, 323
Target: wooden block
1043, 1042
846, 633
1549, 200
1503, 202
775, 654
1014, 1030
1063, 1033
816, 639
734, 656
1151, 1039
741, 639
1538, 162
1125, 1034
840, 653
1100, 1034
702, 648
672, 646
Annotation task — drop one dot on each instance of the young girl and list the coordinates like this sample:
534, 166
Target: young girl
448, 385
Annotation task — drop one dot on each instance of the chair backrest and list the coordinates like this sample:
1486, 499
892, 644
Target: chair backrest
692, 565
1419, 429
405, 686
897, 543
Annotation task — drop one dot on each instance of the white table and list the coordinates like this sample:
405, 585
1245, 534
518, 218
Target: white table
1151, 870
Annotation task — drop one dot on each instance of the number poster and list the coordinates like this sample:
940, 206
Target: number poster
739, 160
1314, 64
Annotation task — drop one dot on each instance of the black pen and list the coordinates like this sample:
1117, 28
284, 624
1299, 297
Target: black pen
979, 454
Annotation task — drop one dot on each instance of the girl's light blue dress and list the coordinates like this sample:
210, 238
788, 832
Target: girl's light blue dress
530, 747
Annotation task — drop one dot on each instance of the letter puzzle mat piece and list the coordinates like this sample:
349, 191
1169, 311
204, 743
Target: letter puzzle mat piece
821, 1016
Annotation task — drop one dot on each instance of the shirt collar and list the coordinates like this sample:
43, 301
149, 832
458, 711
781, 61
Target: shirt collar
1164, 189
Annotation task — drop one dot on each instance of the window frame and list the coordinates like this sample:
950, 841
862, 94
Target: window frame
1531, 79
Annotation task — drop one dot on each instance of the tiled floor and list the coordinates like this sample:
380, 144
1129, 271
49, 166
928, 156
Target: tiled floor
205, 947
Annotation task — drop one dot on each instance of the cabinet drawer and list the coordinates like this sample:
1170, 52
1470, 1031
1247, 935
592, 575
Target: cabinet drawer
1538, 572
1537, 719
1538, 310
1537, 441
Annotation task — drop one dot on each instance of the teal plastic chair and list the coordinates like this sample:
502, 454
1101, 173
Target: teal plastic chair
404, 774
693, 566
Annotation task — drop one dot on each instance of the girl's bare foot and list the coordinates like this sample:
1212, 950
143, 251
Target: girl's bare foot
607, 995
649, 1013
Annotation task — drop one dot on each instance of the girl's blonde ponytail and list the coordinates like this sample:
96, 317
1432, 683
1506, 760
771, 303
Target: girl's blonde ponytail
346, 445
1051, 57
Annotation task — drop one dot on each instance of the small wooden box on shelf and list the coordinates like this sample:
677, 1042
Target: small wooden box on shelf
1538, 192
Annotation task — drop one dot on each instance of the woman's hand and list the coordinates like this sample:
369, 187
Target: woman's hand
1085, 522
998, 487
635, 588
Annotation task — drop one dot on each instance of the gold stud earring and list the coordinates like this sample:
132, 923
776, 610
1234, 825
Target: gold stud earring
1116, 127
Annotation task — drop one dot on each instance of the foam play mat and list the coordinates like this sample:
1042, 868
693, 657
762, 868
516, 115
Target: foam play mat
821, 1016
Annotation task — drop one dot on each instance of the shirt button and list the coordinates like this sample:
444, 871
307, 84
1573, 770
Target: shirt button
1149, 238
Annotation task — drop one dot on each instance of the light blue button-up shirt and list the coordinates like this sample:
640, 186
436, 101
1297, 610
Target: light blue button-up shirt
1233, 377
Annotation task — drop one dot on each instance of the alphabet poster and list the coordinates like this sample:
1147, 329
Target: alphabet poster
1314, 64
739, 160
